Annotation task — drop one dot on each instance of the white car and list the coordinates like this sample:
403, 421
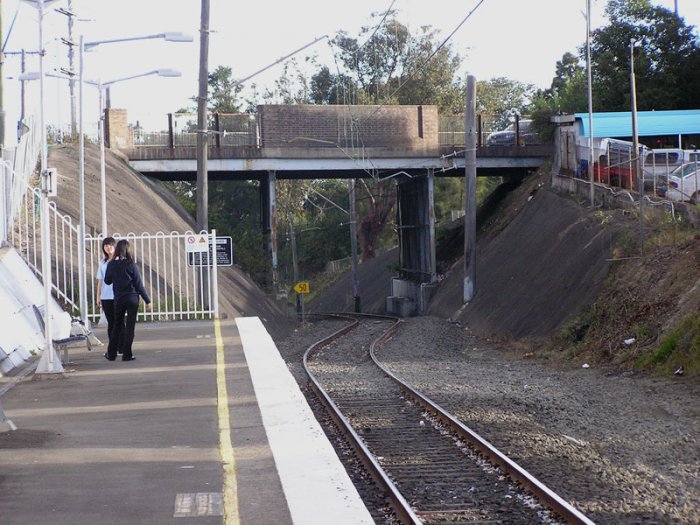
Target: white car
658, 164
683, 183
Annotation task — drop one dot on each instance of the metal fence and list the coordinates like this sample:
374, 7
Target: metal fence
179, 290
225, 129
17, 167
670, 174
179, 287
451, 129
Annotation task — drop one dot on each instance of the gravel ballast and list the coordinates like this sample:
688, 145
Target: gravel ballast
622, 448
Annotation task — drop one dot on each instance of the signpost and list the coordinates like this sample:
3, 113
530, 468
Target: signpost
302, 288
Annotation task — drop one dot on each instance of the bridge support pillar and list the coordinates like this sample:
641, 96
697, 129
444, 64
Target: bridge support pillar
417, 259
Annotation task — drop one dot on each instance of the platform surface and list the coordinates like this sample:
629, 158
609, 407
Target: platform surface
207, 425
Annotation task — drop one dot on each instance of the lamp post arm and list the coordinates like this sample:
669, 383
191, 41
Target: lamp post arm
170, 37
90, 45
110, 82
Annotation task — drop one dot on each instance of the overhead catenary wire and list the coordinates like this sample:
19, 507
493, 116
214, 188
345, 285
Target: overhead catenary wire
354, 124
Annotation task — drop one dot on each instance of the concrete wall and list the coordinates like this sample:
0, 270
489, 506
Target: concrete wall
21, 336
317, 126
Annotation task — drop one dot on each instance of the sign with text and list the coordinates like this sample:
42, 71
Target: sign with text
224, 253
302, 287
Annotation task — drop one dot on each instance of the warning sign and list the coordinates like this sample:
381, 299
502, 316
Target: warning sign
302, 287
224, 253
197, 243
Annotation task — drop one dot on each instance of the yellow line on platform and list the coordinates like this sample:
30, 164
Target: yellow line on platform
230, 490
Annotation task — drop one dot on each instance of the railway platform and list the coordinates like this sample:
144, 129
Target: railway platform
206, 426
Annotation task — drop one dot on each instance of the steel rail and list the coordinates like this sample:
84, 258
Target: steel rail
563, 508
402, 508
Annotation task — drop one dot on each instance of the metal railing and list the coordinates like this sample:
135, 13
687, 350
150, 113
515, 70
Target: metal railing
242, 129
179, 289
25, 236
225, 129
661, 173
17, 167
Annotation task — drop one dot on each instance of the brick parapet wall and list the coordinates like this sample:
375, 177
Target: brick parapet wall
117, 135
284, 126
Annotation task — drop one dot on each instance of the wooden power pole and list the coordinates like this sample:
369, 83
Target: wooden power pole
470, 192
202, 123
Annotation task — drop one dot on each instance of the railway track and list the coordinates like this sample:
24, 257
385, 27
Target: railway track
434, 469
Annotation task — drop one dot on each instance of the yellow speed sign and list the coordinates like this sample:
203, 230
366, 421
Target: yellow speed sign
302, 287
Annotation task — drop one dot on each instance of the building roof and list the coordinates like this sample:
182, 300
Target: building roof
649, 123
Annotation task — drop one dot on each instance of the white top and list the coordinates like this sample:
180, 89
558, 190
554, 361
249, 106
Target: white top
106, 292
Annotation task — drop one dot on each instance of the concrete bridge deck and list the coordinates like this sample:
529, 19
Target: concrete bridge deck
322, 141
230, 162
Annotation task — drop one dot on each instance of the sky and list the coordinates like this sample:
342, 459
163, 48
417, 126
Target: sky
517, 39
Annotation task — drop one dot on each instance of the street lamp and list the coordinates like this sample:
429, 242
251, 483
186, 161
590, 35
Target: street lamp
164, 72
101, 87
49, 362
82, 278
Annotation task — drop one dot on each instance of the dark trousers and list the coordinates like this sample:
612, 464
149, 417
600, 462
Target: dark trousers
125, 309
108, 310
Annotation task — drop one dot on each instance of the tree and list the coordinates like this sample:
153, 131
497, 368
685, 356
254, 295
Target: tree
667, 58
223, 91
388, 65
567, 70
392, 66
568, 94
500, 98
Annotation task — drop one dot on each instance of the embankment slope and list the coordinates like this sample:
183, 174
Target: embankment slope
138, 204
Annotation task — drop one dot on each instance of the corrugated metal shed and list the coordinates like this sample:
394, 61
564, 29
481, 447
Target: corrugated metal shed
649, 123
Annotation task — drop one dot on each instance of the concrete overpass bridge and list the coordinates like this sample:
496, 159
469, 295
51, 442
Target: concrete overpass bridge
412, 144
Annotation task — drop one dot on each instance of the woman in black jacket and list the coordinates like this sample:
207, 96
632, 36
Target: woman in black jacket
125, 279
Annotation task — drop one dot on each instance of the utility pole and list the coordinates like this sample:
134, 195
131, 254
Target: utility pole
470, 192
295, 265
353, 246
590, 104
71, 82
202, 125
23, 66
2, 106
635, 146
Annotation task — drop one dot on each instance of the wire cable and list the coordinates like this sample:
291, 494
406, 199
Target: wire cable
430, 57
